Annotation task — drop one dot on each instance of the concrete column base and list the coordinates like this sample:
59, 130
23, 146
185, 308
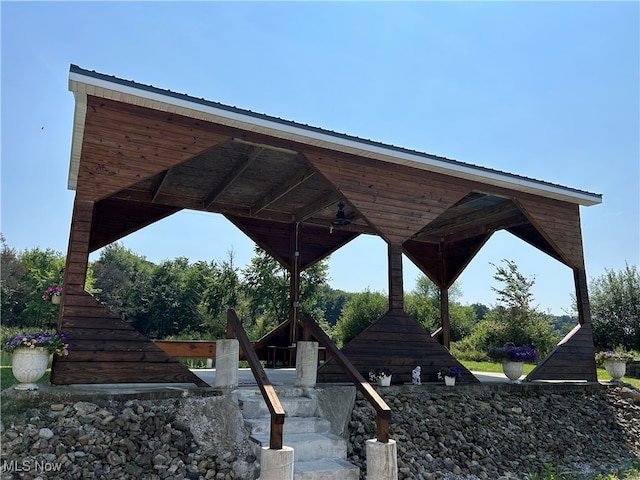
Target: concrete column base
382, 460
276, 464
306, 364
227, 355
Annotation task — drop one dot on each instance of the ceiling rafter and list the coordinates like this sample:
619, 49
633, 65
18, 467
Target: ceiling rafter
161, 181
469, 220
310, 210
233, 175
295, 181
480, 229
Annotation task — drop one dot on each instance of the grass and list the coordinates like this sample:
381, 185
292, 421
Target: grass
603, 376
7, 379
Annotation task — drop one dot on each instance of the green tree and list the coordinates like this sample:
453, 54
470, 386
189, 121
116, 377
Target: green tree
423, 304
175, 305
480, 310
615, 309
43, 268
266, 286
223, 291
362, 310
122, 282
12, 290
331, 302
515, 320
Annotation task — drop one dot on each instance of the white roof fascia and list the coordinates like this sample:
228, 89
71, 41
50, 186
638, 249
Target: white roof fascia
79, 114
83, 85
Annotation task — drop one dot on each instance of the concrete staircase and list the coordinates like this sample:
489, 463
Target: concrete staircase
318, 454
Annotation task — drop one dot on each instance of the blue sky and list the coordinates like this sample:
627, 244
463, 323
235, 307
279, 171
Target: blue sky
541, 89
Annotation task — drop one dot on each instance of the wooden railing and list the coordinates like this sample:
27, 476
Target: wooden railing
188, 348
265, 386
383, 412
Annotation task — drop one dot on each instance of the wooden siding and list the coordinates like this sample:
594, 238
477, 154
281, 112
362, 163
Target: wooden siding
116, 218
559, 223
105, 349
396, 341
572, 359
124, 144
443, 269
315, 243
397, 202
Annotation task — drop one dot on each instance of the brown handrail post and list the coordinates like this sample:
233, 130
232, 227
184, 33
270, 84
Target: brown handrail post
383, 411
268, 391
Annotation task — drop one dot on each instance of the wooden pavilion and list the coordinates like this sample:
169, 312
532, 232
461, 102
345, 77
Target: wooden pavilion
140, 154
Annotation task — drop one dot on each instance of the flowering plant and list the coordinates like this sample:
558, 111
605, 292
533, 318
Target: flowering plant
524, 353
56, 343
619, 354
50, 291
374, 375
455, 372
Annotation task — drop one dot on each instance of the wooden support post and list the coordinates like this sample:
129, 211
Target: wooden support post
582, 296
75, 270
444, 317
443, 285
294, 292
396, 291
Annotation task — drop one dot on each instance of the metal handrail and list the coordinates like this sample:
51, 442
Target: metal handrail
265, 386
383, 411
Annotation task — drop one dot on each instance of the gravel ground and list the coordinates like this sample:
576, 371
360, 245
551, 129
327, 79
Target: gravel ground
507, 432
471, 434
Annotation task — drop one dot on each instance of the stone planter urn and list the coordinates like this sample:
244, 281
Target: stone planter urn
55, 298
28, 366
384, 380
615, 368
513, 370
449, 381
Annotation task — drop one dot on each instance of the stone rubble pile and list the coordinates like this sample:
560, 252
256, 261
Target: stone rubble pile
114, 440
441, 433
465, 433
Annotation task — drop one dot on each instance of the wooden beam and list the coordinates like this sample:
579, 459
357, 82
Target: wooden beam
582, 296
444, 317
503, 210
396, 292
188, 349
231, 177
279, 192
443, 254
158, 187
294, 286
315, 207
475, 231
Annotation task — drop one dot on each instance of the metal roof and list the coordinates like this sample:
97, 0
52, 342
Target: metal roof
85, 82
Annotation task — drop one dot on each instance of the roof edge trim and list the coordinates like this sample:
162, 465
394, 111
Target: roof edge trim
320, 137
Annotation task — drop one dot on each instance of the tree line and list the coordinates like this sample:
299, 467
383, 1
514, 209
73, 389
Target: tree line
182, 299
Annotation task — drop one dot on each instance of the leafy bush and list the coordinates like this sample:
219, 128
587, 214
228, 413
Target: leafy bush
464, 350
362, 310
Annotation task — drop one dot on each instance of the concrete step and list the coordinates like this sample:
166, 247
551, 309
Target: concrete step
255, 406
308, 447
262, 426
327, 469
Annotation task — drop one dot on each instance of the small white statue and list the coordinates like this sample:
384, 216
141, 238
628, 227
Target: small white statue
415, 376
